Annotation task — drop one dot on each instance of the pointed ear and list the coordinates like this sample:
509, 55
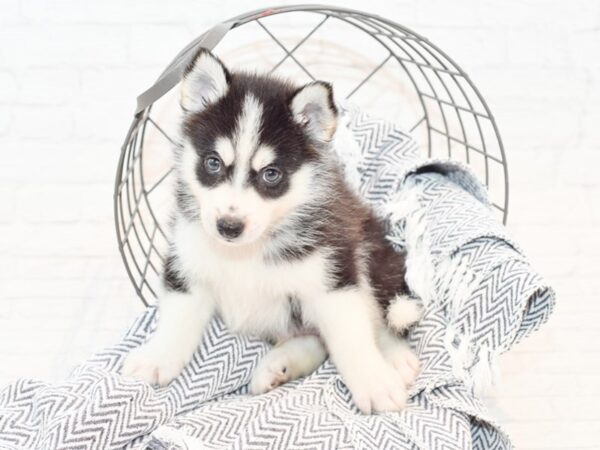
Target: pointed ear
205, 81
313, 107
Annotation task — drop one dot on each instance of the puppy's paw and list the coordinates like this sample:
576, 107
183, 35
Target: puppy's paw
153, 364
272, 371
402, 358
378, 387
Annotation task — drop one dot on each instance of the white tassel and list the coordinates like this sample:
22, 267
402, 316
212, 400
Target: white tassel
458, 348
177, 438
420, 269
347, 149
479, 371
485, 372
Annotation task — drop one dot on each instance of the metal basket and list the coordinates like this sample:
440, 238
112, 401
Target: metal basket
383, 67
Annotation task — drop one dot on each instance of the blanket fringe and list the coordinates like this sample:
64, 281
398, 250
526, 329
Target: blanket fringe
420, 269
476, 366
166, 438
478, 369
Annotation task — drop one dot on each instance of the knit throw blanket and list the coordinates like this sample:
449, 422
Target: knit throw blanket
480, 295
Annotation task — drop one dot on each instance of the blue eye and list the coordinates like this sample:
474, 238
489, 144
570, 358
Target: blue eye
272, 176
213, 164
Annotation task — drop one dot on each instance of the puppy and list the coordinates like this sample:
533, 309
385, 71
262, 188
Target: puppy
267, 234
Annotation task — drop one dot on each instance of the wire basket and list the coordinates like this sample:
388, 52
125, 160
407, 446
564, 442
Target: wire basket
381, 66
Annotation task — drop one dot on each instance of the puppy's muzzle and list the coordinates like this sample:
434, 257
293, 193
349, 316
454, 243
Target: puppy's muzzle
230, 227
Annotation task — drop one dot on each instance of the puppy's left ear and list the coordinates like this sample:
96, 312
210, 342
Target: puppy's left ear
205, 81
313, 108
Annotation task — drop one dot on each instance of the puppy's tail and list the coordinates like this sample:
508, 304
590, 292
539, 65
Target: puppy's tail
403, 313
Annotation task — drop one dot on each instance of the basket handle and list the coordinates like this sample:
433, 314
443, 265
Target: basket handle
174, 71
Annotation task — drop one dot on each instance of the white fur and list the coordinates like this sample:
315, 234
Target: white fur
203, 85
246, 138
397, 352
182, 321
403, 313
263, 157
224, 148
294, 358
349, 323
252, 296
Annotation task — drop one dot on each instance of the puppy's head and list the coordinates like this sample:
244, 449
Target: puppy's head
252, 147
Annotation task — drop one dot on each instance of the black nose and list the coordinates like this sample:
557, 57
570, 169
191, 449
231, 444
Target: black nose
229, 227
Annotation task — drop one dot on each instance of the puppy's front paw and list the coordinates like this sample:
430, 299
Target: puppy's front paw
377, 387
272, 371
153, 364
402, 358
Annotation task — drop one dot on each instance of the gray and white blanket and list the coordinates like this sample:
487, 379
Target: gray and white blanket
480, 294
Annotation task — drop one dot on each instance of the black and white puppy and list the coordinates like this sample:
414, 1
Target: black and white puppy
268, 235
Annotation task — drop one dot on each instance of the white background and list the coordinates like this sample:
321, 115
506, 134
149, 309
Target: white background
69, 74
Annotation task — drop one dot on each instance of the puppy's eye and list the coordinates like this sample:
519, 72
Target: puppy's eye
213, 164
272, 176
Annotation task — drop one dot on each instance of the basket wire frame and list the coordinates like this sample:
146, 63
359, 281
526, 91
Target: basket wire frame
437, 82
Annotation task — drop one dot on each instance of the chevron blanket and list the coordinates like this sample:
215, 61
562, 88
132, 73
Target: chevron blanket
480, 295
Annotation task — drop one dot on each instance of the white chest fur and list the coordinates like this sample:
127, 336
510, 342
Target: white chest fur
252, 296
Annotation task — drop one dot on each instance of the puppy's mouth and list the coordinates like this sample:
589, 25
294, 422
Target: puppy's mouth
231, 242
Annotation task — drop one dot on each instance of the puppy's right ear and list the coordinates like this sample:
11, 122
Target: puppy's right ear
314, 109
205, 81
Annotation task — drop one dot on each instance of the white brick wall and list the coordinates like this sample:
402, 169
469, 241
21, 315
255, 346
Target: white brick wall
69, 74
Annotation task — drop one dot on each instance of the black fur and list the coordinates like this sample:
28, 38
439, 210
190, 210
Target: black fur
354, 235
172, 280
186, 203
278, 129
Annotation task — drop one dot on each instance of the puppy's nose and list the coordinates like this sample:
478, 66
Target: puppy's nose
230, 227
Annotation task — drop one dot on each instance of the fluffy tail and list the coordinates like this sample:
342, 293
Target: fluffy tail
403, 313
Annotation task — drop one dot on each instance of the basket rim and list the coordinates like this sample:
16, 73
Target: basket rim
171, 76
